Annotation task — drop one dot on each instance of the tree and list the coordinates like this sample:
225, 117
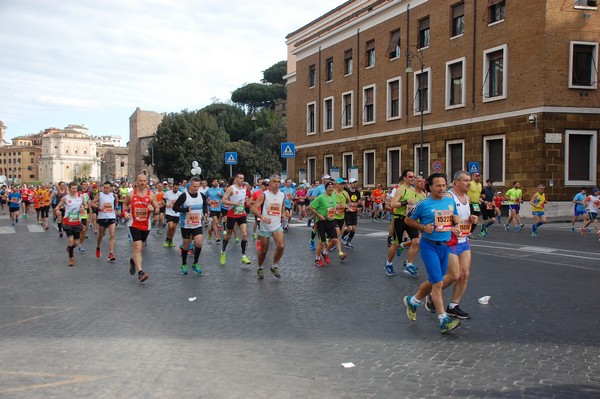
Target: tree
275, 73
182, 138
257, 95
231, 118
253, 160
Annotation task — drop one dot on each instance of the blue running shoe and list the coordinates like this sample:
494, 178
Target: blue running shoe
389, 269
410, 270
312, 245
196, 268
448, 324
184, 270
399, 250
518, 228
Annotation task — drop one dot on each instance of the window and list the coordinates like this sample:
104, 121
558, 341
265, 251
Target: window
75, 151
347, 104
493, 159
458, 19
496, 11
311, 162
312, 76
394, 46
393, 98
580, 157
423, 37
417, 160
347, 162
494, 72
329, 69
455, 86
327, 164
455, 157
421, 84
348, 62
369, 168
370, 54
369, 104
393, 162
66, 150
310, 118
585, 3
328, 114
583, 65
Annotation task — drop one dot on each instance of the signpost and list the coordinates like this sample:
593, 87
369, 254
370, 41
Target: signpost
473, 167
288, 150
436, 166
231, 159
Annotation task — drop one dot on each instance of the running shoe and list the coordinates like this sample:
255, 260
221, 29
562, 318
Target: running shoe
237, 240
349, 245
342, 256
389, 269
275, 272
506, 227
142, 276
319, 262
184, 270
448, 324
223, 258
533, 234
97, 252
245, 260
573, 229
81, 249
217, 241
60, 234
71, 261
344, 240
582, 230
429, 305
255, 236
518, 228
400, 249
158, 231
131, 266
24, 216
260, 274
410, 270
196, 268
326, 258
172, 244
411, 310
17, 220
457, 312
311, 245
522, 225
167, 245
111, 258
258, 245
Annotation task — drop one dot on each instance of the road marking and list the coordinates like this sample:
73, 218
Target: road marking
35, 228
67, 380
532, 248
44, 310
7, 230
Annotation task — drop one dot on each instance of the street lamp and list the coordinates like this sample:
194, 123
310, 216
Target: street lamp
419, 56
152, 149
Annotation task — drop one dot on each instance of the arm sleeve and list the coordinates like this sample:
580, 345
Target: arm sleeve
204, 204
178, 205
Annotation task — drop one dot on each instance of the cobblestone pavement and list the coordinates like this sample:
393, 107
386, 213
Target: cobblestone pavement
93, 331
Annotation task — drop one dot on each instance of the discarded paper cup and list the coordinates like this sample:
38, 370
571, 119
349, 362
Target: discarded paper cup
484, 300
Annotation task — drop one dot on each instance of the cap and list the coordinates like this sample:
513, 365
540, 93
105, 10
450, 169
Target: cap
595, 190
265, 182
325, 176
476, 174
340, 180
165, 182
352, 180
329, 183
499, 192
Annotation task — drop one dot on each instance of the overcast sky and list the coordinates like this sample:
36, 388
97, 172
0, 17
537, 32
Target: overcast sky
92, 62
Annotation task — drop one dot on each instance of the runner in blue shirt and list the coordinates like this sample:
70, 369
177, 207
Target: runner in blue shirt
14, 204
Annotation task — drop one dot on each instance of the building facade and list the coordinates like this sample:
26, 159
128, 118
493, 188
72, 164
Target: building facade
114, 164
20, 163
506, 88
142, 128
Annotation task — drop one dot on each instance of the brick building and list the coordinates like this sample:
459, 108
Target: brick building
510, 85
142, 129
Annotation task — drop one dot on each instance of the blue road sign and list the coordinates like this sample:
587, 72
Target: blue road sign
231, 158
474, 167
288, 150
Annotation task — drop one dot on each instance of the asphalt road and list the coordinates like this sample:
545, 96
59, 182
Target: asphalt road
94, 331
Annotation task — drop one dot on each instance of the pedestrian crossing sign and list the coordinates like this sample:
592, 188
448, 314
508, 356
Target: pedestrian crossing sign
288, 150
231, 158
473, 167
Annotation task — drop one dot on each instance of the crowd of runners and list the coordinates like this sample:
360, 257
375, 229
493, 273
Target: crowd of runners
424, 217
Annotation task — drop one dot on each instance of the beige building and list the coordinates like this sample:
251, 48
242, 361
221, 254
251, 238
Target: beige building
20, 163
506, 87
114, 163
142, 128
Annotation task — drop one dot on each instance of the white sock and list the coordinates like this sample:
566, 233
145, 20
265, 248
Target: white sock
441, 317
452, 305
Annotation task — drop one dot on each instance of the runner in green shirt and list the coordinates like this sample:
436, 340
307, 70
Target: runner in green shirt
323, 208
514, 197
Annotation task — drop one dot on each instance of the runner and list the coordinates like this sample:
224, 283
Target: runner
341, 205
44, 198
14, 204
61, 191
171, 216
235, 196
538, 202
489, 207
192, 206
85, 220
323, 209
267, 209
579, 207
301, 199
313, 194
160, 219
476, 202
592, 204
214, 195
264, 186
3, 198
404, 200
25, 199
289, 193
351, 213
436, 216
106, 204
74, 205
515, 198
138, 205
378, 198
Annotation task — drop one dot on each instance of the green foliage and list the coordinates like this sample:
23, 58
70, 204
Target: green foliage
275, 73
254, 159
231, 118
257, 95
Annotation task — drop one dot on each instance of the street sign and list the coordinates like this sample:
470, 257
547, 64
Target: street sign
231, 158
436, 166
288, 150
473, 167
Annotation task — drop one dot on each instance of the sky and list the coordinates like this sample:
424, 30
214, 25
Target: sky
91, 63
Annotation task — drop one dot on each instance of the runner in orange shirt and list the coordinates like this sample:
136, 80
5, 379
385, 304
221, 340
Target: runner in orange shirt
378, 198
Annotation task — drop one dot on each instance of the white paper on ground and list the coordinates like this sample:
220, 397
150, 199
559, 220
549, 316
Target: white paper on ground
484, 300
192, 299
348, 365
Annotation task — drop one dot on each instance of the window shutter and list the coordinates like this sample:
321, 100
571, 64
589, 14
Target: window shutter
458, 10
394, 41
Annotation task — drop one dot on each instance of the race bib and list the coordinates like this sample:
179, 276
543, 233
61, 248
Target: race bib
330, 213
192, 219
489, 206
353, 206
274, 210
108, 207
465, 228
73, 216
213, 203
476, 207
140, 214
443, 220
339, 209
239, 210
